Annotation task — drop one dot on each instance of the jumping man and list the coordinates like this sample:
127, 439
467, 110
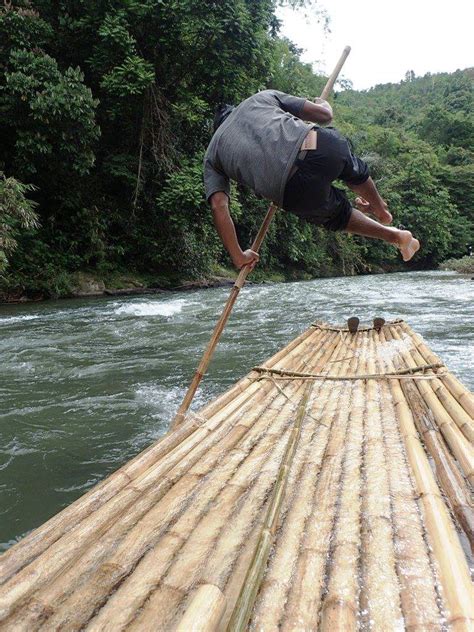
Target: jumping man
266, 144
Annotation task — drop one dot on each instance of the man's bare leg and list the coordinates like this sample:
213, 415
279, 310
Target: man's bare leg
360, 224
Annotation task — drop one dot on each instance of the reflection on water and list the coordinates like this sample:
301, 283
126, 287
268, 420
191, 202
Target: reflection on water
86, 384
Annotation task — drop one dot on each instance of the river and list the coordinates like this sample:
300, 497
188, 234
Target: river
86, 384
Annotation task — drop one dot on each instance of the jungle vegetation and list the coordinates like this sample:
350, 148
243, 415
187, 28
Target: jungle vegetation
106, 111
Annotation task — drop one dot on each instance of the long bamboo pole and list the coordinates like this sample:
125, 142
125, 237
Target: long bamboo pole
417, 580
243, 609
454, 572
449, 478
308, 577
381, 609
239, 283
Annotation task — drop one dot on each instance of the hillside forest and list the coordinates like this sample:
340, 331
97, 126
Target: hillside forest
106, 111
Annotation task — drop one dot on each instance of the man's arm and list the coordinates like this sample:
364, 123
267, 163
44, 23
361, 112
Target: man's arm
225, 227
318, 112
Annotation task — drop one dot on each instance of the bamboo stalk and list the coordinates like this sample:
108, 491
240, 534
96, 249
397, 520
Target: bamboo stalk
457, 442
221, 323
205, 610
246, 600
335, 73
296, 510
378, 566
304, 598
337, 377
454, 573
240, 281
418, 598
340, 606
452, 483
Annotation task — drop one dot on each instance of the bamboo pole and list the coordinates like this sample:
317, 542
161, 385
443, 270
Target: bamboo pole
454, 573
304, 598
359, 376
221, 323
456, 440
205, 610
335, 73
246, 600
240, 281
378, 567
296, 510
455, 387
417, 581
340, 606
449, 478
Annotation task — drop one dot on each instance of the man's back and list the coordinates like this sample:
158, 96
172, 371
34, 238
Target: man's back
257, 145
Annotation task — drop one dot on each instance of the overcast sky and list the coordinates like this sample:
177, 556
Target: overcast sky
387, 37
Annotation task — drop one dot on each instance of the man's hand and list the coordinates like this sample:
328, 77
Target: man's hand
246, 258
318, 112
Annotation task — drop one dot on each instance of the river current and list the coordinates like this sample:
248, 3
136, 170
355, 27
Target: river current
86, 384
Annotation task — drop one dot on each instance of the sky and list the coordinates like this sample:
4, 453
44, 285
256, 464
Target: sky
387, 37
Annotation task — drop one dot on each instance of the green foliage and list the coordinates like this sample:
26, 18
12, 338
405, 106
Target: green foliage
187, 239
52, 113
465, 265
16, 214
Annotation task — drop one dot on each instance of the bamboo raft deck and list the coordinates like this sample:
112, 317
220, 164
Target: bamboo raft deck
327, 490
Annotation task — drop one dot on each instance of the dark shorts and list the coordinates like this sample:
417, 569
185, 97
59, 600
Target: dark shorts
310, 194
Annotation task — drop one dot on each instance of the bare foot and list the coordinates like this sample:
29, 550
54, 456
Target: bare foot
407, 244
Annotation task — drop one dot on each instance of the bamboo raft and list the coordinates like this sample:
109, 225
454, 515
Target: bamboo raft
326, 490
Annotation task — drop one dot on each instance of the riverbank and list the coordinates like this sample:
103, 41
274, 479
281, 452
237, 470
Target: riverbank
90, 284
465, 265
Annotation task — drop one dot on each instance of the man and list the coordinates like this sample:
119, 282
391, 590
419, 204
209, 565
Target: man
266, 144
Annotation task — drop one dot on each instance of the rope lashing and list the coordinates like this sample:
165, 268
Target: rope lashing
407, 374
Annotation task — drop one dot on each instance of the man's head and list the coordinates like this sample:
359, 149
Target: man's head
222, 112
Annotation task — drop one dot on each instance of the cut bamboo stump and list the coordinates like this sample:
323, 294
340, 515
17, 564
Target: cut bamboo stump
339, 466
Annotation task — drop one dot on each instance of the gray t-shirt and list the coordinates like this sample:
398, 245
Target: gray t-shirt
257, 145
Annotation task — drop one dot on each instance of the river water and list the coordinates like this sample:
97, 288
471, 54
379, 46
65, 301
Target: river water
86, 384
